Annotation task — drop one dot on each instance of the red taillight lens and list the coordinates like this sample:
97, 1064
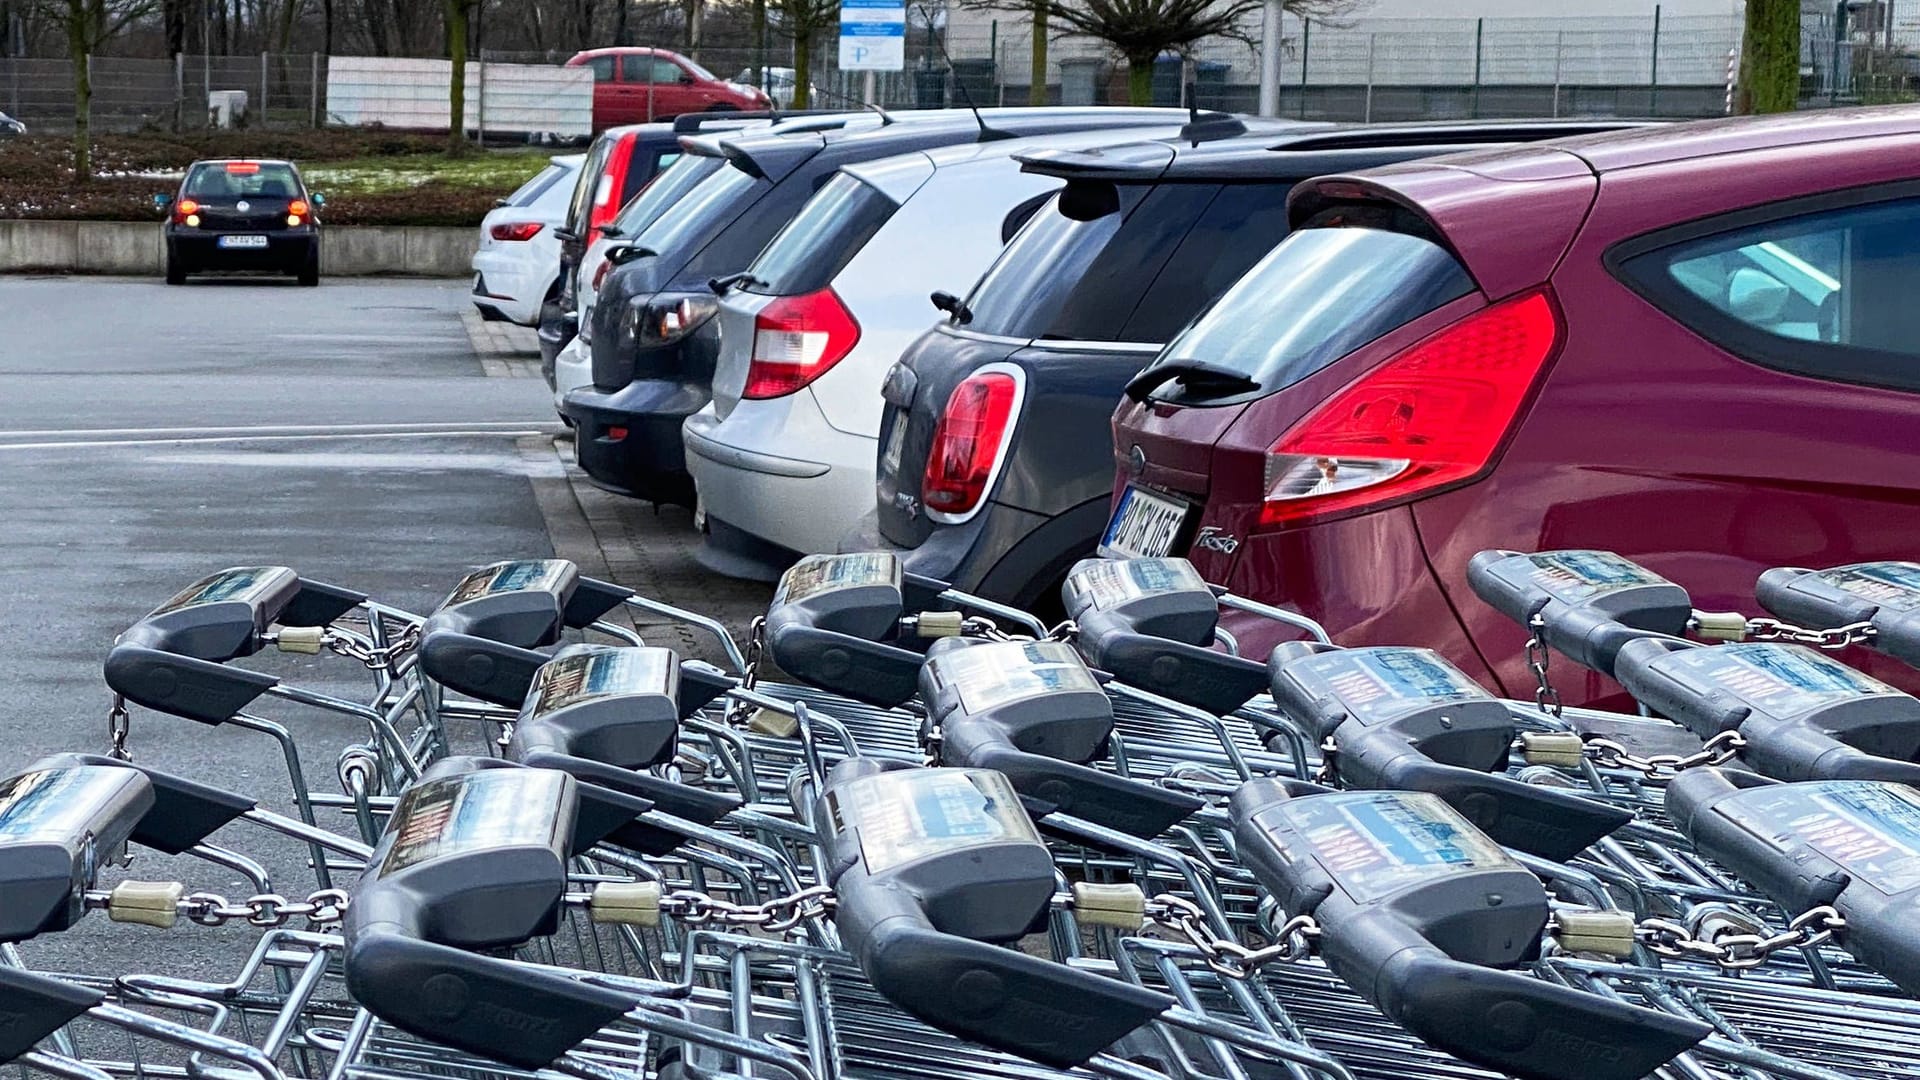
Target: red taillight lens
797, 339
971, 436
1431, 416
184, 209
516, 230
600, 273
297, 208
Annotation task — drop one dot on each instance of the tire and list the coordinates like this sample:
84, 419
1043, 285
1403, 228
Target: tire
309, 274
176, 275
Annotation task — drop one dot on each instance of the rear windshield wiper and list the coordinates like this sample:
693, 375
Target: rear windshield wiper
1192, 374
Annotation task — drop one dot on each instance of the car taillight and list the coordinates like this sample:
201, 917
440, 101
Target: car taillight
185, 209
600, 273
1432, 415
296, 211
968, 443
516, 230
797, 339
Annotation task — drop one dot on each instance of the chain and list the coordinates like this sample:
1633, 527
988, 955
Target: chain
265, 910
119, 723
1838, 637
1544, 695
1293, 941
1740, 952
1718, 750
1067, 630
376, 659
778, 915
756, 644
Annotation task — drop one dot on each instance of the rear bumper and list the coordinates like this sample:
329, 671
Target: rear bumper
629, 441
1364, 578
556, 330
572, 370
802, 505
287, 250
1003, 553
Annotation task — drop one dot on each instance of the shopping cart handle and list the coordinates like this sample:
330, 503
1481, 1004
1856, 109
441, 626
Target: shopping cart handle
36, 1006
1549, 822
613, 703
1884, 595
181, 685
515, 603
509, 1012
1391, 694
220, 617
1527, 1027
319, 604
701, 685
1192, 675
479, 667
637, 833
184, 812
1002, 998
1116, 802
591, 600
869, 671
1589, 603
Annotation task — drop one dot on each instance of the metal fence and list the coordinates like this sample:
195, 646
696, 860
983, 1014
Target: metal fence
1368, 70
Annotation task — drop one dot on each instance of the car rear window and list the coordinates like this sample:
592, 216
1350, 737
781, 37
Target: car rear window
1138, 274
241, 180
667, 188
1319, 295
528, 193
580, 208
709, 204
1817, 290
827, 233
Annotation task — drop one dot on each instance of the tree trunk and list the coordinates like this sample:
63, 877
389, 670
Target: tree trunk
457, 93
1140, 80
1037, 93
620, 35
174, 16
326, 27
78, 20
757, 26
802, 69
696, 12
1770, 57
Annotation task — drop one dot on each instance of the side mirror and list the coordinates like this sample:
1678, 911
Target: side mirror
503, 201
686, 78
954, 306
317, 199
161, 202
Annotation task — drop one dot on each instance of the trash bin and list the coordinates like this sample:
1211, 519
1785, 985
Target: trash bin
1209, 76
1080, 81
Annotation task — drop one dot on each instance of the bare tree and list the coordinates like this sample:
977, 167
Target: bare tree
804, 22
87, 25
1141, 30
458, 13
1770, 58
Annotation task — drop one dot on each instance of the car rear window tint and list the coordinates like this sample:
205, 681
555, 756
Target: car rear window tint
711, 203
666, 189
244, 180
528, 193
1319, 295
1826, 293
1241, 224
827, 233
580, 208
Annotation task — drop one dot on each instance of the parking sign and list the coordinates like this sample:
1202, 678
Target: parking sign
873, 35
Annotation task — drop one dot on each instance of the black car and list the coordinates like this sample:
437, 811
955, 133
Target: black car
653, 359
621, 162
242, 215
1142, 239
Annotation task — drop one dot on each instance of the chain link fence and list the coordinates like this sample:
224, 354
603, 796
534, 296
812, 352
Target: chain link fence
1378, 70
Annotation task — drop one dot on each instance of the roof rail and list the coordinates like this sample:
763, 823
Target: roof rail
1370, 138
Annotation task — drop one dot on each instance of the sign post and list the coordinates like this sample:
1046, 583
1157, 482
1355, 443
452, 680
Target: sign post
873, 37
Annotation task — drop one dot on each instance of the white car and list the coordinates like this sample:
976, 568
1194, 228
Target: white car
517, 265
573, 367
784, 457
778, 84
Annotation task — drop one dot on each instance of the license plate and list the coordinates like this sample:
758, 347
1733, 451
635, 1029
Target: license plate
242, 241
896, 443
1144, 525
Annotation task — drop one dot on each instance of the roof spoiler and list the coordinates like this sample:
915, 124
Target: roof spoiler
688, 123
1376, 137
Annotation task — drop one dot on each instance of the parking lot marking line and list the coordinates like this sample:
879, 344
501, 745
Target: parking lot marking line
524, 431
270, 429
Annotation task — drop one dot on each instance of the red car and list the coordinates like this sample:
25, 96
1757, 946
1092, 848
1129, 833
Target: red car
638, 85
1695, 345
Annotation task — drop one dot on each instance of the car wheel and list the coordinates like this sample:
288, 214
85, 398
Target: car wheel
176, 275
310, 270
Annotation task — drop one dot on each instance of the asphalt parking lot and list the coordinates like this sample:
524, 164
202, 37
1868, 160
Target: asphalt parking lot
150, 435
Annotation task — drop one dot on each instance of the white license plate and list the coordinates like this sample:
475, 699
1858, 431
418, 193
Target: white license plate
1144, 525
242, 241
896, 444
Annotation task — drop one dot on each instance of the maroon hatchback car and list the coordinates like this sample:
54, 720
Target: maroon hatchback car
1697, 345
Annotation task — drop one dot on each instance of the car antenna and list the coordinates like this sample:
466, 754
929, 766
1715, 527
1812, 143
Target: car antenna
885, 118
987, 134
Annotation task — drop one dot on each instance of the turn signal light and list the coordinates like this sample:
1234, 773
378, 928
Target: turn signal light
516, 230
1432, 416
797, 339
186, 212
968, 443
